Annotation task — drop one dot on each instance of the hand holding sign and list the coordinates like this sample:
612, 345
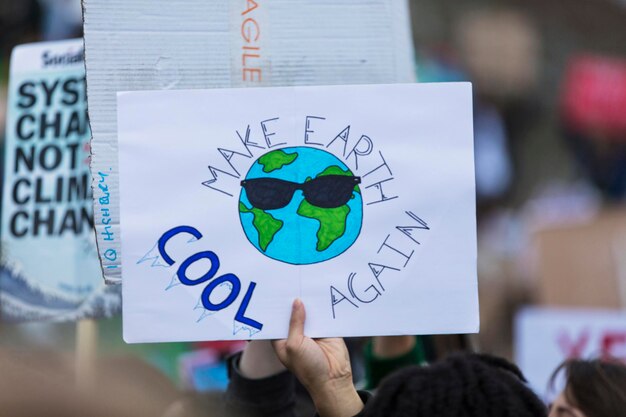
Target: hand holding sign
321, 365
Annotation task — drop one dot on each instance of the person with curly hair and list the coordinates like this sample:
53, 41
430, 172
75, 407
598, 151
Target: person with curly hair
463, 384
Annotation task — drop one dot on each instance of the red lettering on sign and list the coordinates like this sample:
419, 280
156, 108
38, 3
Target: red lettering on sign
610, 342
250, 5
251, 50
573, 348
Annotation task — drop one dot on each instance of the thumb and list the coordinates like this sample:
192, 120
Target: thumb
296, 330
296, 323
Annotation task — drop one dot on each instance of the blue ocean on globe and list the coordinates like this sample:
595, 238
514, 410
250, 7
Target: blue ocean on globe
300, 233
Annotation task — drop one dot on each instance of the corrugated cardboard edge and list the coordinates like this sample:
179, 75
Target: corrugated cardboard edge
108, 280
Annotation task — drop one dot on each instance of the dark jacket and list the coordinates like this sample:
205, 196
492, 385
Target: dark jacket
274, 396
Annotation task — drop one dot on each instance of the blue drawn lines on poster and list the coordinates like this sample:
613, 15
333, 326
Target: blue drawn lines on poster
237, 327
204, 312
224, 288
154, 256
173, 282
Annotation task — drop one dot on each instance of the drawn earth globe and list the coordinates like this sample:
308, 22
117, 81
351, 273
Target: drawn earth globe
300, 232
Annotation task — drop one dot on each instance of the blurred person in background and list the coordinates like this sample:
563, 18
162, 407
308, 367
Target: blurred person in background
63, 19
19, 23
593, 112
594, 388
504, 71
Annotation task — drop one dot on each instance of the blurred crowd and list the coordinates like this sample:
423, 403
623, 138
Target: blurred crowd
550, 154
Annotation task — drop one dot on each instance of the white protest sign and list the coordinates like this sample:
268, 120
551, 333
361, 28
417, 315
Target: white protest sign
357, 199
49, 268
545, 337
226, 43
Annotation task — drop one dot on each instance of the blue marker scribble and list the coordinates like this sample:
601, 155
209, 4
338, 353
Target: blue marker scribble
154, 256
173, 282
237, 327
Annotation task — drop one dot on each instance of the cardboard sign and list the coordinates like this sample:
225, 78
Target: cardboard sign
226, 43
568, 254
49, 266
545, 337
359, 200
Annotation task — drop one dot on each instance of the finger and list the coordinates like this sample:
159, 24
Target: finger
296, 332
296, 323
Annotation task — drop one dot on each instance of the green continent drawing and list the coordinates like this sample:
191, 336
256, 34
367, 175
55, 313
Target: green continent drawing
265, 224
276, 160
335, 170
332, 222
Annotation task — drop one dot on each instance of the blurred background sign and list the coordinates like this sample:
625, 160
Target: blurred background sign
49, 267
545, 337
583, 264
